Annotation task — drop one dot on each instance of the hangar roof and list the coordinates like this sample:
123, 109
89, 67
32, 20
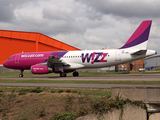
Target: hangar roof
37, 37
13, 42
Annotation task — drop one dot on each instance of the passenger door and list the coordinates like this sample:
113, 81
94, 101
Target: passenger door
17, 59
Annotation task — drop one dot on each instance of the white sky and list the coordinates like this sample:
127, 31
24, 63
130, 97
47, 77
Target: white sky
85, 24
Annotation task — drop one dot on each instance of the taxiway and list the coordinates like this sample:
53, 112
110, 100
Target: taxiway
124, 77
121, 77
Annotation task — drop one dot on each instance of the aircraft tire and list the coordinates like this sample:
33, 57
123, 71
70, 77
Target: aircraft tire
63, 74
75, 74
20, 75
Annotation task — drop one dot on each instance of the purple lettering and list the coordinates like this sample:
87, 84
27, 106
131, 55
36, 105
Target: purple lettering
86, 57
94, 57
97, 57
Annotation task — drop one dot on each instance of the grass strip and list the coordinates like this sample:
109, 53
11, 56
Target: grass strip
82, 82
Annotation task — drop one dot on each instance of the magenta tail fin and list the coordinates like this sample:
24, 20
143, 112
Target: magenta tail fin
139, 36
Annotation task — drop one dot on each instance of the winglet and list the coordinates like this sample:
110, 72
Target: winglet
55, 55
139, 36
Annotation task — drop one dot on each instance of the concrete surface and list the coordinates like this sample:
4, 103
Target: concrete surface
149, 95
131, 112
117, 77
72, 85
154, 116
146, 94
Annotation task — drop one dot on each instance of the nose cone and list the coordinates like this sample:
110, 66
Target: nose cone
5, 64
155, 52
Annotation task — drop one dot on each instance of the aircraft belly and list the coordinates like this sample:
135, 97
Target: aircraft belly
96, 65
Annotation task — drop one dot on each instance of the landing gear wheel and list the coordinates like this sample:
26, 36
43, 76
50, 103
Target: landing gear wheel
63, 74
20, 75
75, 74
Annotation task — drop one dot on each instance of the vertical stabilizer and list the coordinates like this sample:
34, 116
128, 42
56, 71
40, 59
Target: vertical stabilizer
140, 37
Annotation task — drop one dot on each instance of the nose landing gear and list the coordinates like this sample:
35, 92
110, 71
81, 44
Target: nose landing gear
21, 75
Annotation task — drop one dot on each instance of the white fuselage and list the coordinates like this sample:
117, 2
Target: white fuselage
100, 58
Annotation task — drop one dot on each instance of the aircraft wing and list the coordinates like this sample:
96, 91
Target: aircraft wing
55, 62
139, 52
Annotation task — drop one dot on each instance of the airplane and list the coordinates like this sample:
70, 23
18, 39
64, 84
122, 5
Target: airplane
64, 62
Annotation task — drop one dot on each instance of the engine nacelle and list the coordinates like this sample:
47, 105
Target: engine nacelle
40, 69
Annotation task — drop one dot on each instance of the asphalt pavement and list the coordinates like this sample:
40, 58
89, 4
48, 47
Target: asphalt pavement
122, 77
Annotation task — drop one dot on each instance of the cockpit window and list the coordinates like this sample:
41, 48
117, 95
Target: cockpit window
9, 58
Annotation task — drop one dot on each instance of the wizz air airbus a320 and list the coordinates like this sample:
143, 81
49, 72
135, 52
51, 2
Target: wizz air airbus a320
68, 61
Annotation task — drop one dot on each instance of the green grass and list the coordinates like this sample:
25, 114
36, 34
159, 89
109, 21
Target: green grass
81, 91
82, 82
22, 104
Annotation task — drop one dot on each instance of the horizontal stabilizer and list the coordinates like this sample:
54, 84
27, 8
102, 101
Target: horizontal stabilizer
139, 52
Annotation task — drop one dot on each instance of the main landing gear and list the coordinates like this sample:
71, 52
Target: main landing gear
63, 74
75, 74
21, 75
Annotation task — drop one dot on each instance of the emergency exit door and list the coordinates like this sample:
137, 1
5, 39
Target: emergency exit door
118, 55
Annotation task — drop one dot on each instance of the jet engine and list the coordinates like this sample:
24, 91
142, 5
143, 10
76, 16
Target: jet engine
40, 69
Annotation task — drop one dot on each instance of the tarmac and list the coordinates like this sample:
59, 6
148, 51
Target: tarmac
122, 77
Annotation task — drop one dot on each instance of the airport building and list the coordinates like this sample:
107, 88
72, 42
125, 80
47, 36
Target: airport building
13, 42
130, 66
149, 63
152, 62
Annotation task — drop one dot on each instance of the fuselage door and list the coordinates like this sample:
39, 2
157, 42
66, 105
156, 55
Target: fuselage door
17, 59
118, 55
